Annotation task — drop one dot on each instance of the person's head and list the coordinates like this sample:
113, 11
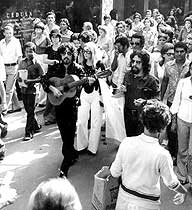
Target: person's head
162, 39
75, 40
148, 13
159, 18
107, 19
167, 52
155, 116
90, 52
189, 42
122, 44
64, 24
137, 42
114, 15
148, 22
155, 13
84, 37
54, 194
67, 53
120, 27
29, 50
35, 21
55, 36
87, 26
128, 23
39, 28
8, 31
140, 62
102, 30
172, 12
180, 50
188, 23
137, 17
50, 17
171, 21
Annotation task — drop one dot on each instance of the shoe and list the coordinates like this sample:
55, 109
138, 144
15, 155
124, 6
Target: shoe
28, 137
38, 129
41, 105
12, 111
49, 122
91, 153
184, 182
4, 132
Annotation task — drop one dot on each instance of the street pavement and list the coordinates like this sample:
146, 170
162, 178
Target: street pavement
39, 159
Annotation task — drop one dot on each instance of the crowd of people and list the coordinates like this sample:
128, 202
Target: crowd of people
114, 71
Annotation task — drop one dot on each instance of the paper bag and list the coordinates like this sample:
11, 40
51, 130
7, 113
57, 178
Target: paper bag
23, 74
105, 192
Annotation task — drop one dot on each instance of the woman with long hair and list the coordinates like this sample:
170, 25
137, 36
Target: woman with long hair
65, 30
90, 104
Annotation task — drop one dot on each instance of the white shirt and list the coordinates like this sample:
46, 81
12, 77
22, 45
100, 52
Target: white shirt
182, 104
122, 68
11, 51
141, 161
2, 69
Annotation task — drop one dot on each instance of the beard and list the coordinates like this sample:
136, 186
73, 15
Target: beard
66, 61
135, 70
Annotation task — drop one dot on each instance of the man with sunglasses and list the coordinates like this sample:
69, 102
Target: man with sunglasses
138, 84
174, 71
66, 112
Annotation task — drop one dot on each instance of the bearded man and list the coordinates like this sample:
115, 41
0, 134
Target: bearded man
137, 84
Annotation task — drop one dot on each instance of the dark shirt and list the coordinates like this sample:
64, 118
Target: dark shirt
34, 71
60, 72
90, 71
146, 87
52, 55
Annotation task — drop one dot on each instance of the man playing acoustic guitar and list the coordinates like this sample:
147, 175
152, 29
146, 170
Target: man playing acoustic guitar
56, 84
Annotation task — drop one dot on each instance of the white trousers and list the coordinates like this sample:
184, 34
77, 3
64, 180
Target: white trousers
89, 102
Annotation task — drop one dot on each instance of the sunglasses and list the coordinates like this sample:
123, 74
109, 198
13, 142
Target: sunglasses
67, 52
135, 43
170, 54
87, 51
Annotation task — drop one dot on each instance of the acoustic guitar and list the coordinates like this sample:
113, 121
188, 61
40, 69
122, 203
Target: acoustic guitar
68, 84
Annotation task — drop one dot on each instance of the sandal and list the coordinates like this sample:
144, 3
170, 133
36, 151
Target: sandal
184, 182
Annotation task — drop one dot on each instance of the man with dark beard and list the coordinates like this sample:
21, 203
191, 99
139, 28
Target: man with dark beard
137, 84
66, 112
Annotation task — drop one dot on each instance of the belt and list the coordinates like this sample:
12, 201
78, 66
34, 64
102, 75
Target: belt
135, 193
10, 64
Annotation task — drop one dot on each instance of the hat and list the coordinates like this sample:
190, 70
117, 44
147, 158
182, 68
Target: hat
8, 26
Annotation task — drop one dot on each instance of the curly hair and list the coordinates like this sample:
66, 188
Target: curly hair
62, 49
145, 59
155, 116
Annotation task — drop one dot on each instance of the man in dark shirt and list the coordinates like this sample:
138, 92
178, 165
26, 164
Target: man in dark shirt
66, 112
137, 84
34, 71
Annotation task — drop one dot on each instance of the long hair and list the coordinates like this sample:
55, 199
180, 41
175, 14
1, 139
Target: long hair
94, 52
69, 46
145, 59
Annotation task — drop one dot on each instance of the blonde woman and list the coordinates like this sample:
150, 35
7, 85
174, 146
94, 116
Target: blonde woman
90, 103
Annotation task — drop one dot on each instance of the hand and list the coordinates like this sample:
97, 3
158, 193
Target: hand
122, 88
55, 62
56, 92
105, 172
139, 102
91, 80
179, 198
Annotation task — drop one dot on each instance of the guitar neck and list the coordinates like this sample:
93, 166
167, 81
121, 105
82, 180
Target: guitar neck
78, 83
